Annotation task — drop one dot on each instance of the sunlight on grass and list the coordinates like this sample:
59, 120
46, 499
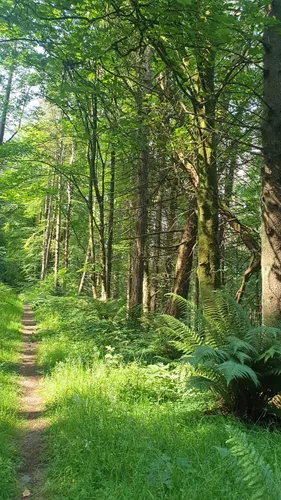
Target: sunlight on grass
117, 434
122, 425
10, 343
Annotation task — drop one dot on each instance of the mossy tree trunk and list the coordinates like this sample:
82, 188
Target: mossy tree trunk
271, 170
208, 270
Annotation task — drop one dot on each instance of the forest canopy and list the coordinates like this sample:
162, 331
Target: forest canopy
131, 148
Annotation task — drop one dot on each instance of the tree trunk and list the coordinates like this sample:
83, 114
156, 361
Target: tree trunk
110, 227
92, 253
48, 230
57, 236
6, 102
207, 192
68, 212
155, 282
271, 170
185, 258
84, 274
139, 253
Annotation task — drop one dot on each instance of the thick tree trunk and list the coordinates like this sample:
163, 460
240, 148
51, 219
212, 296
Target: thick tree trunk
185, 258
271, 170
207, 192
136, 292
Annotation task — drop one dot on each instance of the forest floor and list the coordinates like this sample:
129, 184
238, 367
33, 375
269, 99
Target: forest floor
31, 410
108, 422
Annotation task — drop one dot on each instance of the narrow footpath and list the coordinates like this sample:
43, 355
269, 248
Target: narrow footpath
31, 411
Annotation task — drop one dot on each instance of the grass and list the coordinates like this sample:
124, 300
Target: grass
127, 430
10, 342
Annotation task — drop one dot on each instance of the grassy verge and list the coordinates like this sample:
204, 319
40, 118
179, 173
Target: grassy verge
126, 430
10, 343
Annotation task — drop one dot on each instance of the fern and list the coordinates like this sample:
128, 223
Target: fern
250, 467
240, 363
233, 370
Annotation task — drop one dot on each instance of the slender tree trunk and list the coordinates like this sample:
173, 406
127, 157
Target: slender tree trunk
67, 225
6, 102
145, 288
156, 261
93, 184
103, 257
110, 227
92, 253
185, 258
169, 240
84, 274
48, 231
271, 170
68, 212
139, 254
57, 236
228, 194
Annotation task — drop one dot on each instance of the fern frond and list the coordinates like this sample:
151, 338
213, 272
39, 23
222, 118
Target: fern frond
206, 353
233, 370
227, 315
191, 315
199, 382
254, 472
262, 337
189, 338
237, 344
216, 381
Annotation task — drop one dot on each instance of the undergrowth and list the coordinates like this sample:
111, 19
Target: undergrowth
10, 342
122, 426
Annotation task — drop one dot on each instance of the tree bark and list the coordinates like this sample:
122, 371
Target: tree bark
68, 212
207, 192
84, 274
57, 235
110, 227
139, 253
48, 230
185, 258
6, 102
271, 170
155, 282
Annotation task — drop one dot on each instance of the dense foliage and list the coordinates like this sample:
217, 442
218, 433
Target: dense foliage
239, 362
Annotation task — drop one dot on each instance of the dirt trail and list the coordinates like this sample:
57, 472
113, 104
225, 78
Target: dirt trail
32, 411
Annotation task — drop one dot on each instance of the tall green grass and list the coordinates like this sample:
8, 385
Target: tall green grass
123, 430
10, 343
122, 433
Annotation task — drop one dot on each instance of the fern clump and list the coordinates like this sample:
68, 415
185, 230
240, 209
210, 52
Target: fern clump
239, 362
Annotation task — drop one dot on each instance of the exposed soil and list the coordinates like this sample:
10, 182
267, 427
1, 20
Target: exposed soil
32, 411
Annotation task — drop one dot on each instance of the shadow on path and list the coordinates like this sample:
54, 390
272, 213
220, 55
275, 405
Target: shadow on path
32, 412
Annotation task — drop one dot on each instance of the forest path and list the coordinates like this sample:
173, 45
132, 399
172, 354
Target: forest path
31, 410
